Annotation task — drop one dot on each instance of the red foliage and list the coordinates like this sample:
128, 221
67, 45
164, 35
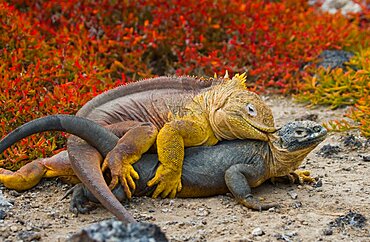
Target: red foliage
56, 55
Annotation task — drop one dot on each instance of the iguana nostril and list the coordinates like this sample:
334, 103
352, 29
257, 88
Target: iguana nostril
317, 128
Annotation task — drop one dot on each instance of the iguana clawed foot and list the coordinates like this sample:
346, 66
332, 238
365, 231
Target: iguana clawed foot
302, 177
255, 204
80, 203
168, 180
121, 171
296, 177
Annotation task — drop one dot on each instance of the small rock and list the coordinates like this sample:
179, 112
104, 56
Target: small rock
334, 59
202, 212
4, 203
293, 194
352, 142
366, 158
2, 214
328, 231
318, 183
351, 218
14, 193
282, 237
329, 150
257, 232
14, 228
28, 236
271, 210
112, 230
304, 223
297, 204
291, 234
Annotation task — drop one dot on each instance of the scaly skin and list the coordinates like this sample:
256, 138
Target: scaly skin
173, 107
231, 166
203, 117
226, 111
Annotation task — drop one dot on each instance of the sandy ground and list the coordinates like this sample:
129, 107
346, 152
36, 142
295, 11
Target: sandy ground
305, 214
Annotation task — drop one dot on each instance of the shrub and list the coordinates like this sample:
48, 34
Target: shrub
56, 55
338, 88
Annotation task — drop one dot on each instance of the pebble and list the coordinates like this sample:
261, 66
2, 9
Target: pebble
328, 231
366, 158
318, 183
271, 210
297, 204
112, 230
293, 194
202, 212
14, 193
4, 203
257, 232
2, 214
14, 228
291, 234
28, 236
165, 210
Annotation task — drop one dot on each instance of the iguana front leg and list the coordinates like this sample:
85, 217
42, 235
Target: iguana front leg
240, 178
137, 139
171, 141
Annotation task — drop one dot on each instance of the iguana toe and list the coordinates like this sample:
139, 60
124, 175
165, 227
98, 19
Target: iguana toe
79, 201
296, 177
168, 180
127, 180
121, 172
302, 177
255, 204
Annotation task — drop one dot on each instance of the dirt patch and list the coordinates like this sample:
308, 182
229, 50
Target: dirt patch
344, 187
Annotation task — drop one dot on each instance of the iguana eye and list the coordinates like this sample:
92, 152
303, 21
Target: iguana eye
317, 129
251, 110
300, 132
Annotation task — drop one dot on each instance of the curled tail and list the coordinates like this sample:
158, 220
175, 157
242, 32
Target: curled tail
94, 134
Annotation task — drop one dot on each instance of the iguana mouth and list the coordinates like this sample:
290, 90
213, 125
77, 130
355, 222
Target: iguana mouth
262, 128
318, 138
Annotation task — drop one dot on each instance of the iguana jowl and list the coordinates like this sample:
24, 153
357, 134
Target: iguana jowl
174, 112
231, 166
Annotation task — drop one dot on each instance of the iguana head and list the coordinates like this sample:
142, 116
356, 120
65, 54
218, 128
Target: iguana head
236, 113
300, 135
292, 143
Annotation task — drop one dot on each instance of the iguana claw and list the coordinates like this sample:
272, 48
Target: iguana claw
300, 177
296, 177
303, 176
255, 204
121, 171
168, 180
79, 201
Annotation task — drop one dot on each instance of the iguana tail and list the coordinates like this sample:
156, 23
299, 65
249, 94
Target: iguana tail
94, 134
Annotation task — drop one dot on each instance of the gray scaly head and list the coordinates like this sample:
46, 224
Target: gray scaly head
300, 135
292, 143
